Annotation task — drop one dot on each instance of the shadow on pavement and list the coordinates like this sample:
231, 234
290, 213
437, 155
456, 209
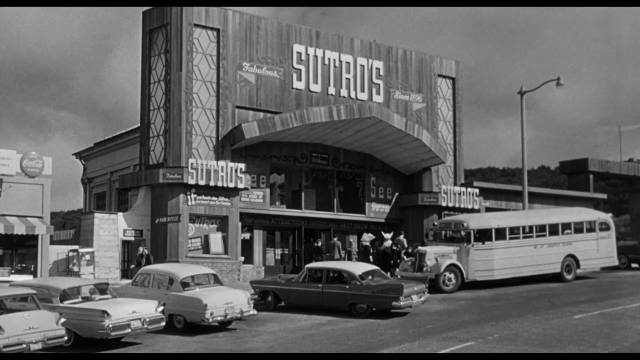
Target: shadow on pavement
93, 345
513, 282
197, 329
376, 315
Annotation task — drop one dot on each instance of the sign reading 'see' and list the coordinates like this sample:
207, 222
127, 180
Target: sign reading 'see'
360, 78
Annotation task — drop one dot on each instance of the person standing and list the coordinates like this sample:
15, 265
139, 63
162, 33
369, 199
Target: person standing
365, 254
318, 252
335, 249
401, 244
385, 256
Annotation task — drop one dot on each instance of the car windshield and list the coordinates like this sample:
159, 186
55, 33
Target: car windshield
200, 281
373, 275
85, 293
18, 303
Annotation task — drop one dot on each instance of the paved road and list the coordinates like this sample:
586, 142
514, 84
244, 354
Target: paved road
599, 312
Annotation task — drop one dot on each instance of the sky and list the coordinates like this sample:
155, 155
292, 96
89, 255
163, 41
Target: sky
71, 76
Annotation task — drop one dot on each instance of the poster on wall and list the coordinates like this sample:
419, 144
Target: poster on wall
216, 243
270, 258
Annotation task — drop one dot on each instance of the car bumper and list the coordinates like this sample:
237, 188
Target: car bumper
34, 345
229, 317
133, 326
409, 302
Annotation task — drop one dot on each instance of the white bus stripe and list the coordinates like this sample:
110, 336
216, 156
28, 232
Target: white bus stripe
606, 310
456, 347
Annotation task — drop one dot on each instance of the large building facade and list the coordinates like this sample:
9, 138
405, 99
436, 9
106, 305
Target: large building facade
258, 136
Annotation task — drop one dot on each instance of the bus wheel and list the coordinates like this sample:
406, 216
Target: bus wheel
449, 280
568, 269
623, 262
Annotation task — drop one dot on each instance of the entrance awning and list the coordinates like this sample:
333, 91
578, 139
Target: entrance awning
364, 127
22, 225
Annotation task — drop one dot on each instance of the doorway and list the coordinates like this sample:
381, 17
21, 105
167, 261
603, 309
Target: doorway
282, 251
128, 256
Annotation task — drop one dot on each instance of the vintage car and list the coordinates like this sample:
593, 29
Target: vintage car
24, 325
92, 311
628, 253
355, 286
190, 294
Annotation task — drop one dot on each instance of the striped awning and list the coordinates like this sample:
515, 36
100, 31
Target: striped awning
22, 225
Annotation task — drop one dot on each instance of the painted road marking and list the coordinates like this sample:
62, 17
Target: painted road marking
606, 310
456, 347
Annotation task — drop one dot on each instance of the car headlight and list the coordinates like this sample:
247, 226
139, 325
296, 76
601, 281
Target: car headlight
106, 315
249, 301
60, 321
160, 307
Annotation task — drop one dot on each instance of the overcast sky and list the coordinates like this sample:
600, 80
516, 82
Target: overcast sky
71, 76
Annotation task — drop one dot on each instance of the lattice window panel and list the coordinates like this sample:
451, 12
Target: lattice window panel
158, 94
445, 129
203, 99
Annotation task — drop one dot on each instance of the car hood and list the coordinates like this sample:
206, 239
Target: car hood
119, 307
218, 295
27, 322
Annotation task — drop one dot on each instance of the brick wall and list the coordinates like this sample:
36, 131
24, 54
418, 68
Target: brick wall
228, 270
251, 272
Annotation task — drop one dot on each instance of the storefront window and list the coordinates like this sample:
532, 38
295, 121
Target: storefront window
123, 200
19, 254
350, 192
208, 235
318, 189
285, 184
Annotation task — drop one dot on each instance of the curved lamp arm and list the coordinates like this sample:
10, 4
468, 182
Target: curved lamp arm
523, 92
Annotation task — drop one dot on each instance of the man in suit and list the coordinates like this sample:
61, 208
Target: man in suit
335, 249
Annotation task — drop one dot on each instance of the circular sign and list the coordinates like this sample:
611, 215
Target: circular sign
32, 164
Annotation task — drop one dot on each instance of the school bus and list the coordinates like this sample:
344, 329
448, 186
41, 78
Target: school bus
507, 244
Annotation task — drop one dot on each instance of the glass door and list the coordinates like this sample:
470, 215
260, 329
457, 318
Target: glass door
282, 251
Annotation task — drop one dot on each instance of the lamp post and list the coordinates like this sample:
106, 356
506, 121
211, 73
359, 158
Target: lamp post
522, 92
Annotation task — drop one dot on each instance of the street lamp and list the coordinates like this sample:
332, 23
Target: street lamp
522, 92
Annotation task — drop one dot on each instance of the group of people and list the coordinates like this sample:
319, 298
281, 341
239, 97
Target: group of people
388, 255
316, 251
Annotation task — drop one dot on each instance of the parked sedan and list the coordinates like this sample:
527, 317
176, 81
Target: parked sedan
628, 253
355, 286
190, 294
91, 309
24, 325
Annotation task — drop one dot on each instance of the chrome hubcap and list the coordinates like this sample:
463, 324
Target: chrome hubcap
448, 279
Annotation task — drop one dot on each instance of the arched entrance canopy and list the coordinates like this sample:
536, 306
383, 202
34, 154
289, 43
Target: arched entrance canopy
364, 127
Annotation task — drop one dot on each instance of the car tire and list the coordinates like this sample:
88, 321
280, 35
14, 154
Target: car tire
623, 262
72, 338
178, 322
360, 310
449, 280
269, 300
568, 269
225, 324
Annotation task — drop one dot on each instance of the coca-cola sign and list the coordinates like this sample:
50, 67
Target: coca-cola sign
32, 164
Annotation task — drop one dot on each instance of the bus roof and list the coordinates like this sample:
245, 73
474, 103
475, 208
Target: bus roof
526, 217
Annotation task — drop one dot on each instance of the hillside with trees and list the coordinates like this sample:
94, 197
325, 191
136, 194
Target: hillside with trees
542, 176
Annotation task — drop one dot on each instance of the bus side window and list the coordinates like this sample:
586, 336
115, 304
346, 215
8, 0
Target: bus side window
578, 227
527, 232
482, 236
566, 228
541, 231
501, 234
514, 233
603, 226
554, 229
591, 226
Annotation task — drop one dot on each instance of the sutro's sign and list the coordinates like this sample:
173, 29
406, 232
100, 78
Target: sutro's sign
460, 197
221, 173
32, 164
360, 78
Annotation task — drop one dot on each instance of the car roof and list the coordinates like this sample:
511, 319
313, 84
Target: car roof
179, 270
15, 290
58, 282
355, 267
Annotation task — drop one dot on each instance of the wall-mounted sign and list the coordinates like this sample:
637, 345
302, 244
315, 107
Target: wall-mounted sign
461, 197
7, 162
262, 70
360, 78
319, 158
204, 224
252, 196
32, 164
221, 173
429, 199
168, 219
194, 244
380, 190
132, 233
172, 175
397, 94
195, 199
